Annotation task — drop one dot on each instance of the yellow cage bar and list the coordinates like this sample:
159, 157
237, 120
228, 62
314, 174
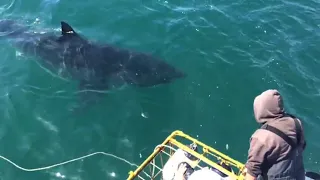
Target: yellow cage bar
163, 152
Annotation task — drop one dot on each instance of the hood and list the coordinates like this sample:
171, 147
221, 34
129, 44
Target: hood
268, 106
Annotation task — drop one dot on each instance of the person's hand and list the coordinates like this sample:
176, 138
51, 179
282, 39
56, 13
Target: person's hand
180, 172
244, 172
182, 169
247, 176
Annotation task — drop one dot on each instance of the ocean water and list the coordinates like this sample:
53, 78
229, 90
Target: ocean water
231, 51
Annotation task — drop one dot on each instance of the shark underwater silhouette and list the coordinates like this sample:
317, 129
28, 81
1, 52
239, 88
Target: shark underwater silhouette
96, 65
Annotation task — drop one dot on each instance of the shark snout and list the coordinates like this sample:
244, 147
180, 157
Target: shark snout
175, 73
180, 74
170, 76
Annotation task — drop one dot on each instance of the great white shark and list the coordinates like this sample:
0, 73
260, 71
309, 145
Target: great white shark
96, 65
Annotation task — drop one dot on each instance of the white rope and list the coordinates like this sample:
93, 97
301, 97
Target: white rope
86, 156
66, 162
77, 159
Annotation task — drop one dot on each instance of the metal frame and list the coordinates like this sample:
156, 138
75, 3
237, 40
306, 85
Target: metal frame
171, 143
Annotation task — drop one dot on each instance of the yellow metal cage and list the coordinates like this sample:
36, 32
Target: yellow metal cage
152, 167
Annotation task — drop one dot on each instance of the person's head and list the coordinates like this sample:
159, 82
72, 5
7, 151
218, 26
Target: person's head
268, 106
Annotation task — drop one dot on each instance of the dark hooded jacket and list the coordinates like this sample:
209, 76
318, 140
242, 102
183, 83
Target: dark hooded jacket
267, 147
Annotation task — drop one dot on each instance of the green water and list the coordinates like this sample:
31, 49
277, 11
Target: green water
231, 51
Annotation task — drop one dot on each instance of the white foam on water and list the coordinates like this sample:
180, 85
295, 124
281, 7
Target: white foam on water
126, 142
47, 124
59, 175
145, 115
19, 54
112, 174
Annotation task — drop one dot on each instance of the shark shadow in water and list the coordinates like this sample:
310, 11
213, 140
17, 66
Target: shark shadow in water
97, 66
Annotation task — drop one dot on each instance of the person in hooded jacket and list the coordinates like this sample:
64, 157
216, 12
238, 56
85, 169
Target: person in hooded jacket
276, 147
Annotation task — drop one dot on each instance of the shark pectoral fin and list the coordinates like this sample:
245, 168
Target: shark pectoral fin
66, 29
90, 93
93, 86
83, 85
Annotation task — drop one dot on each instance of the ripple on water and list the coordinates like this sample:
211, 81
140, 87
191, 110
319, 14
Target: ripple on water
47, 124
265, 35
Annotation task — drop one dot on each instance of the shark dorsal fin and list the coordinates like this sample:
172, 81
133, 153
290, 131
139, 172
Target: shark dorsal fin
67, 29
